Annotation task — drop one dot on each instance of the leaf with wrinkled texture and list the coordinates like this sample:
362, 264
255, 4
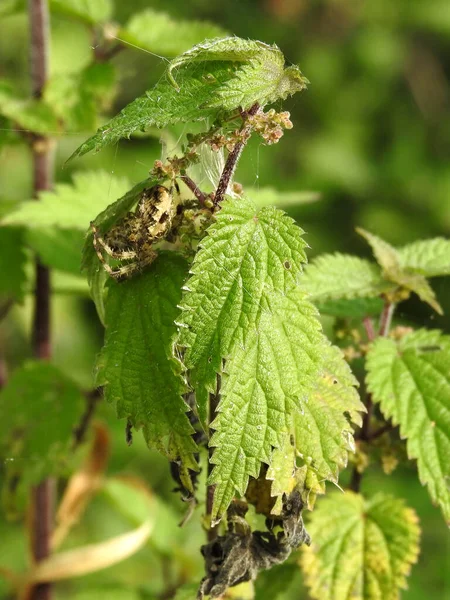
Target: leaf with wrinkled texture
342, 276
427, 257
361, 548
267, 379
411, 381
247, 253
212, 85
70, 206
135, 366
321, 433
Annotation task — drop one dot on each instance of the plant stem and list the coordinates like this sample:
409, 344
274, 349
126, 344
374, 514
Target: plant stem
368, 326
232, 159
366, 435
213, 404
201, 197
383, 429
92, 398
386, 318
43, 494
355, 482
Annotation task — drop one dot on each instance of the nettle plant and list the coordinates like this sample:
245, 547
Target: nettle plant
214, 346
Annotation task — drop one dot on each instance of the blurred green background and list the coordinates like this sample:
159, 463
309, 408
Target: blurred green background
371, 135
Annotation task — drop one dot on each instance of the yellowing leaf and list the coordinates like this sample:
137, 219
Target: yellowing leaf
361, 549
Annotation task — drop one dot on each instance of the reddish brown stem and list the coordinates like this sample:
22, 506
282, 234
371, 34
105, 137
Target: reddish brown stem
92, 398
39, 49
42, 495
379, 432
232, 159
370, 330
365, 434
386, 318
201, 197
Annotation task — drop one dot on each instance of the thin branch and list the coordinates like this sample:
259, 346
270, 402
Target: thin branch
201, 196
233, 158
379, 432
365, 434
43, 494
386, 318
370, 330
3, 372
92, 398
39, 55
355, 482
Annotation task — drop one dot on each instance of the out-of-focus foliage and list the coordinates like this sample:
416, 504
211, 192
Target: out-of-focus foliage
371, 137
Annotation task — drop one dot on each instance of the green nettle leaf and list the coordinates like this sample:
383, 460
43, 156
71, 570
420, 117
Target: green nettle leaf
361, 549
13, 278
159, 32
323, 434
57, 248
263, 77
86, 10
39, 409
356, 308
430, 258
135, 365
266, 381
411, 381
32, 115
247, 253
342, 276
58, 222
389, 260
213, 78
243, 305
385, 254
77, 97
70, 206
